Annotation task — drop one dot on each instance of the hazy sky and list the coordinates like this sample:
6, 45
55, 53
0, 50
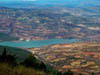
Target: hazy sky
50, 0
85, 2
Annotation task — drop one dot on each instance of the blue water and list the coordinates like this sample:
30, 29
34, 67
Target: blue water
39, 43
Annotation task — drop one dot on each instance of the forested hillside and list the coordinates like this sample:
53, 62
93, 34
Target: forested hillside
29, 65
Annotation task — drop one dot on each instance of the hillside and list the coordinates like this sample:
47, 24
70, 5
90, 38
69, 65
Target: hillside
6, 37
6, 69
8, 60
16, 61
20, 53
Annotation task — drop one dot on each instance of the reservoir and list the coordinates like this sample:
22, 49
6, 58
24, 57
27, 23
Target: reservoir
39, 43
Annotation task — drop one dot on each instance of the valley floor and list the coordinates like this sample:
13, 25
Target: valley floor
79, 57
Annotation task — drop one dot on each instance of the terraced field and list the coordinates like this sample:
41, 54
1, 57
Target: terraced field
79, 57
